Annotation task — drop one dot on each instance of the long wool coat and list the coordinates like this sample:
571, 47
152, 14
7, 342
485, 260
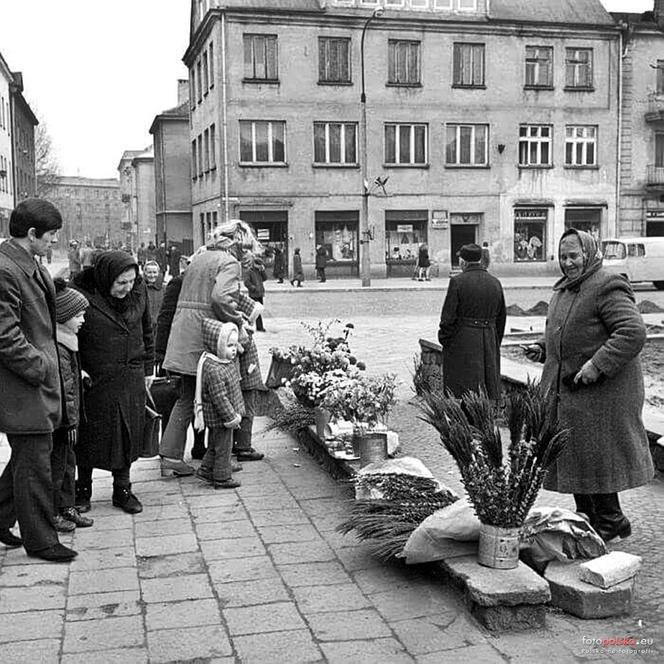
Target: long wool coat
30, 386
608, 450
472, 324
117, 351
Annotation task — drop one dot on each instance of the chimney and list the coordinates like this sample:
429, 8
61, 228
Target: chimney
183, 91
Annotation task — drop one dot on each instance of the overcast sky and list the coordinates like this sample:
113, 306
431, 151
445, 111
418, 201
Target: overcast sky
98, 72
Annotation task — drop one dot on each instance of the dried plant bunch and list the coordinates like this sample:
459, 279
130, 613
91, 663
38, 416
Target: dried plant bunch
501, 487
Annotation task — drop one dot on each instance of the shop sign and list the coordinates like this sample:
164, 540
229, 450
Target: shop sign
530, 215
263, 234
655, 214
404, 228
439, 219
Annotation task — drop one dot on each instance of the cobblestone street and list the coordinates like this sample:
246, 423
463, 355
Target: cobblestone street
260, 575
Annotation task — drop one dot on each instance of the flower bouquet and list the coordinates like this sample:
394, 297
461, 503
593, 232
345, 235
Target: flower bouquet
501, 487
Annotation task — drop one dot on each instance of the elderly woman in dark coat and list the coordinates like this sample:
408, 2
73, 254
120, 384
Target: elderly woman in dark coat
594, 334
117, 351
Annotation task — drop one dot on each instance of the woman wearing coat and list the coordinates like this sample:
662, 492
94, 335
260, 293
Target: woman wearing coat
117, 351
279, 265
594, 334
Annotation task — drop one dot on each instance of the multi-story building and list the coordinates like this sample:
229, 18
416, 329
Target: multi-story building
6, 162
172, 173
137, 194
91, 209
23, 140
642, 123
485, 121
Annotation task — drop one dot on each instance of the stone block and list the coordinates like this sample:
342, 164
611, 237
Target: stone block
347, 625
103, 605
115, 579
180, 564
173, 588
319, 599
191, 643
113, 656
178, 615
44, 651
166, 544
571, 594
246, 593
375, 651
260, 619
25, 626
316, 551
277, 648
104, 634
610, 569
314, 574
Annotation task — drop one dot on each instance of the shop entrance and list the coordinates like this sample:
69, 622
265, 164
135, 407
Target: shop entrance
461, 234
654, 228
271, 228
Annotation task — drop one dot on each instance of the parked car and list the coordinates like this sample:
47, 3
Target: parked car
637, 258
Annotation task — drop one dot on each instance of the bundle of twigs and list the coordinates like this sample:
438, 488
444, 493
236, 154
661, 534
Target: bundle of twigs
388, 523
502, 491
293, 417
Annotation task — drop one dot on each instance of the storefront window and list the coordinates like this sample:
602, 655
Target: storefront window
337, 233
404, 233
585, 219
530, 234
271, 229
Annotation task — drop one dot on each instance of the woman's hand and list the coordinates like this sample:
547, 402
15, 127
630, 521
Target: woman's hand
534, 352
588, 374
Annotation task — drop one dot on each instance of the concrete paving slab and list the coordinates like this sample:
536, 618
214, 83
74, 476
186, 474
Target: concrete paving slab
166, 544
110, 522
25, 626
105, 634
222, 549
144, 529
44, 651
17, 600
178, 564
88, 539
293, 553
103, 580
416, 601
248, 593
279, 517
116, 656
314, 574
322, 599
174, 588
229, 530
378, 651
178, 615
425, 635
291, 647
260, 619
95, 606
241, 569
25, 576
283, 534
348, 625
191, 643
465, 655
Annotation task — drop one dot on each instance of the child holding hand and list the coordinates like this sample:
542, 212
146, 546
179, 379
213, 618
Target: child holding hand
218, 404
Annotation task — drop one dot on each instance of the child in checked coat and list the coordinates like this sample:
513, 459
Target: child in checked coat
218, 404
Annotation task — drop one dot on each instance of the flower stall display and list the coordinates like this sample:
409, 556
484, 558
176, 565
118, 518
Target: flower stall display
502, 487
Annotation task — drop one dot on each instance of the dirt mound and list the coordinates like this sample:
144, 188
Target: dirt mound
540, 309
648, 307
515, 310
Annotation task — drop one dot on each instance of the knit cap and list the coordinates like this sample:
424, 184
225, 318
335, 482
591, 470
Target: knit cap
68, 302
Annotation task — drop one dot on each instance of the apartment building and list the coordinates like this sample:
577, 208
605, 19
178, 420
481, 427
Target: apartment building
642, 123
485, 121
23, 141
137, 195
6, 162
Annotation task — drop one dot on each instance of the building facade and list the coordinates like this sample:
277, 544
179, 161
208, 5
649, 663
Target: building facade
137, 195
91, 210
6, 161
490, 122
23, 141
172, 173
642, 123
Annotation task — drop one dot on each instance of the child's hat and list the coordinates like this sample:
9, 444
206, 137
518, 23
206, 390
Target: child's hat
68, 302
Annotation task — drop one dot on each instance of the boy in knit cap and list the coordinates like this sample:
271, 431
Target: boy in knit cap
218, 403
70, 306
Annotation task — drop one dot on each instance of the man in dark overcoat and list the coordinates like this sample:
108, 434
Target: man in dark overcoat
30, 383
471, 330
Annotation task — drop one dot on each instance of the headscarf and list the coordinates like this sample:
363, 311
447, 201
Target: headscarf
109, 266
234, 232
592, 259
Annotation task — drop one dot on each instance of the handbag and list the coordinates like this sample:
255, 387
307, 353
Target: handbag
165, 391
151, 428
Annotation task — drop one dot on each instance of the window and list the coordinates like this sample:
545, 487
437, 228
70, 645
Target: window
535, 145
579, 68
405, 231
200, 155
585, 219
194, 160
206, 150
580, 145
530, 234
406, 144
333, 60
467, 5
468, 65
539, 66
262, 142
337, 233
199, 81
403, 62
335, 143
467, 145
211, 63
260, 58
213, 147
206, 73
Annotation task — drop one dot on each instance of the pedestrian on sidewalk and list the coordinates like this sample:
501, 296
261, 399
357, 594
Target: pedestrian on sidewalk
210, 288
218, 403
30, 384
485, 261
321, 262
279, 266
298, 275
254, 276
594, 334
472, 325
154, 283
117, 351
74, 259
424, 263
70, 306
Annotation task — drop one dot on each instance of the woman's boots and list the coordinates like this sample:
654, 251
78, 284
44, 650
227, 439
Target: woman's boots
604, 514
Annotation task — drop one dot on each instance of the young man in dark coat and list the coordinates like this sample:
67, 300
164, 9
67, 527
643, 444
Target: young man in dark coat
471, 330
30, 383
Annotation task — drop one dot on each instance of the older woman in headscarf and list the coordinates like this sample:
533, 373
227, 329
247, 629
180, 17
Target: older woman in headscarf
117, 351
210, 289
594, 334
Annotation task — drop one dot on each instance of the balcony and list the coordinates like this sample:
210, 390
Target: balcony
655, 112
655, 178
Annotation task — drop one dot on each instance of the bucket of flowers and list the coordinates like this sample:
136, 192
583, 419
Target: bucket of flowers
365, 402
502, 486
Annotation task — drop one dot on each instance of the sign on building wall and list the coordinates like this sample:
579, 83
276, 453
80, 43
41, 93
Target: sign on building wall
439, 219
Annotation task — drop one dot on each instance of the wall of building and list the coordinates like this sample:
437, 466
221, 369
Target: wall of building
6, 163
24, 151
145, 197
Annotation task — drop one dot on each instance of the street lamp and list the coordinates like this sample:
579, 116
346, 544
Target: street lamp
365, 257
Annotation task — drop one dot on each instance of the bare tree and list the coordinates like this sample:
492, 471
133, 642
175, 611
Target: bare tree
47, 169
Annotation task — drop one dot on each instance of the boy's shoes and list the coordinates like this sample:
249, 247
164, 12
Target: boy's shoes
248, 455
126, 500
58, 553
62, 525
175, 467
10, 540
226, 484
73, 515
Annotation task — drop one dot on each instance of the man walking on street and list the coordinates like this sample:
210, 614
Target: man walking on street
471, 330
30, 384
